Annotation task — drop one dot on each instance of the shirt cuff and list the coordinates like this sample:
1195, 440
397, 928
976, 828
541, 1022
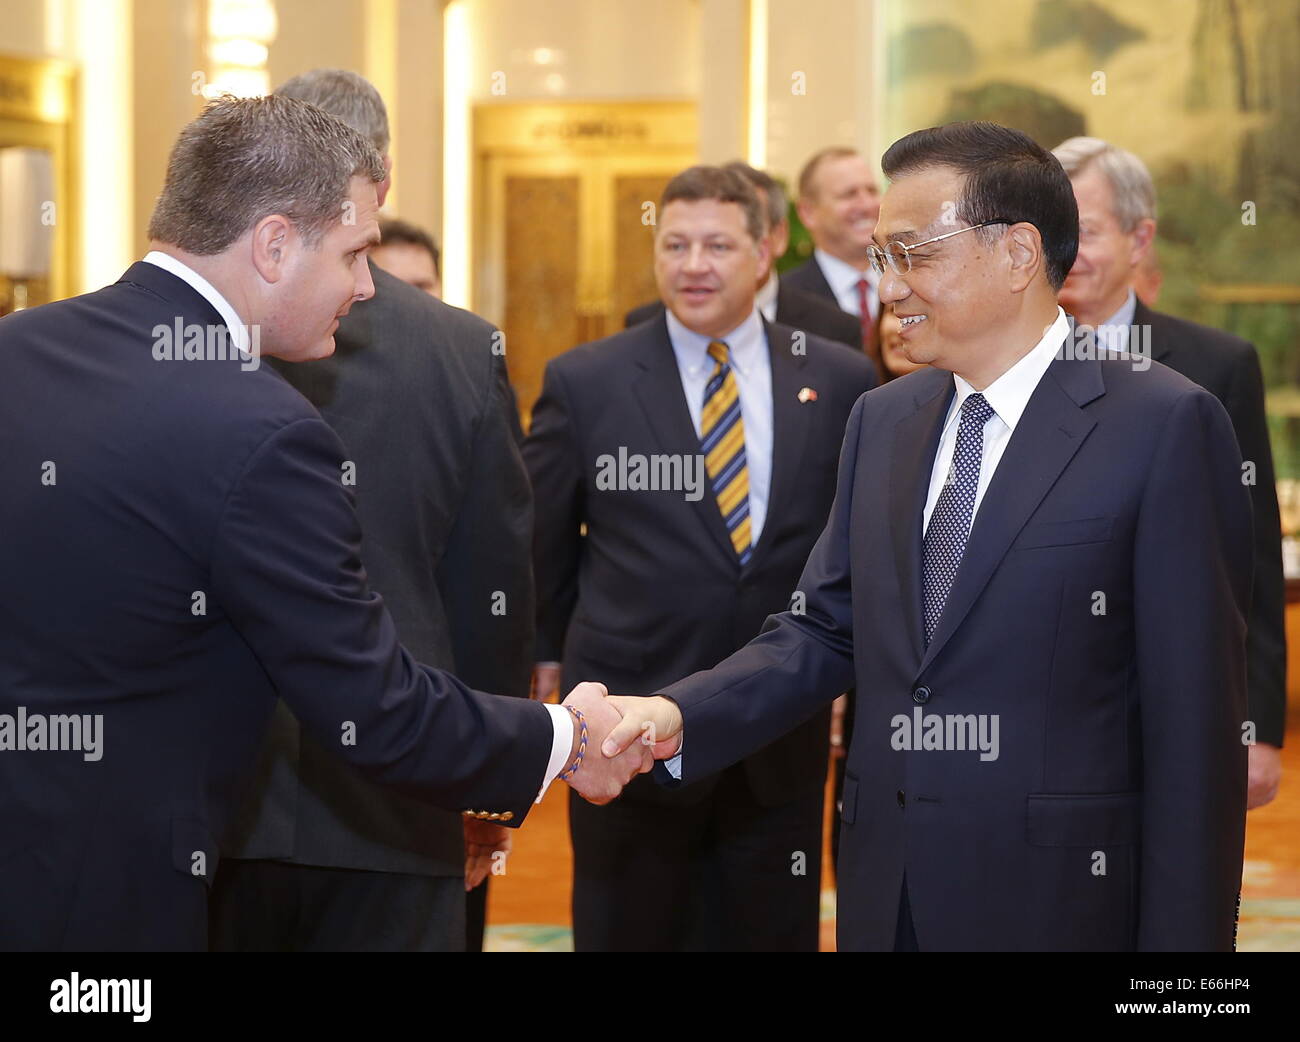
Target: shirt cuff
561, 743
673, 765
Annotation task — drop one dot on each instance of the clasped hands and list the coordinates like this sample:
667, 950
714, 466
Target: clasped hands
625, 735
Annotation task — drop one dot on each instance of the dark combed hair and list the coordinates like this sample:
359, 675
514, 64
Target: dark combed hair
726, 186
1006, 175
393, 231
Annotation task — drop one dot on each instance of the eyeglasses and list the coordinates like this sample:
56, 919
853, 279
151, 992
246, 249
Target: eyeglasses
899, 255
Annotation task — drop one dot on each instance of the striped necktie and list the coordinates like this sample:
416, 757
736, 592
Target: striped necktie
722, 439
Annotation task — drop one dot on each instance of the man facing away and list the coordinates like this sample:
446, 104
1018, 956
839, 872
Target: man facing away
1037, 571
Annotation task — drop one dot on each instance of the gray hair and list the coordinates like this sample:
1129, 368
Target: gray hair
242, 159
1130, 181
346, 96
778, 209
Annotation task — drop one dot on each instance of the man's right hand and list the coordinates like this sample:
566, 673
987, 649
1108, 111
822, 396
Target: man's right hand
656, 722
601, 778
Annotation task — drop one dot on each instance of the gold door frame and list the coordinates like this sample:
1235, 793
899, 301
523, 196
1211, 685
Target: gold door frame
37, 110
593, 143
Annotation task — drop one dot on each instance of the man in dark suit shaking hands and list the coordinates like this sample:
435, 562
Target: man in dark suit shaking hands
698, 450
182, 523
1037, 572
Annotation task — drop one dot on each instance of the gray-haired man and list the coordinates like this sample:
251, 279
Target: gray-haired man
1117, 225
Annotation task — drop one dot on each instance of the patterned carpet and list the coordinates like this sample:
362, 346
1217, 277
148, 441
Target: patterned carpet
528, 907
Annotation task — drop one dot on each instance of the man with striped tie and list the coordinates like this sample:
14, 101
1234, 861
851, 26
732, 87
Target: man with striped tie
683, 469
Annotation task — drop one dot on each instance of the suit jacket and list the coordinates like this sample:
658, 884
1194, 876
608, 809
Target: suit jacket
794, 308
422, 405
1098, 616
196, 554
810, 278
654, 590
1228, 368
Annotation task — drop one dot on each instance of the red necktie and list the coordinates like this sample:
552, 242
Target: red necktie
864, 316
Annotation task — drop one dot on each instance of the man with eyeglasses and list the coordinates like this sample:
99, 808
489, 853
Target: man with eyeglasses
1036, 573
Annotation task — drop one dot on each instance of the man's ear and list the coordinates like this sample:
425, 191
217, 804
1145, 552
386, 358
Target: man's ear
1025, 254
804, 209
273, 240
1143, 235
381, 189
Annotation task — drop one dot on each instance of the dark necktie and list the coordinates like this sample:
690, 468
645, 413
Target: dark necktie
945, 538
867, 325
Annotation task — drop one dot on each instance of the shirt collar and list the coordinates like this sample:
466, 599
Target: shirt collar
1113, 333
1009, 394
765, 298
692, 349
234, 324
841, 275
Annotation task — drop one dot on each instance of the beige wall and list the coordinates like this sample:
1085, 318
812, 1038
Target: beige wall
601, 49
831, 43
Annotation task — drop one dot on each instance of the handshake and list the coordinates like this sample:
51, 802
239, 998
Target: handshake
624, 737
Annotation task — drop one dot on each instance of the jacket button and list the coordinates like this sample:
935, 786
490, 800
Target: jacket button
902, 800
921, 695
507, 815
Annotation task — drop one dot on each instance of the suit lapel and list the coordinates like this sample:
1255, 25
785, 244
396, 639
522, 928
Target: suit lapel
658, 389
916, 439
791, 419
789, 308
1144, 316
1049, 433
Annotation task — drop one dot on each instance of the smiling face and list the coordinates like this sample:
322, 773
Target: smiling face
892, 355
1108, 256
841, 211
318, 285
707, 264
955, 299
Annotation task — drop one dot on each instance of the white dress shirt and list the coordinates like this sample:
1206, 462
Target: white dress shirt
561, 721
843, 279
752, 365
1007, 396
765, 298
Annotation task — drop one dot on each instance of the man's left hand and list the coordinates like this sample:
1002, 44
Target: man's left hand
483, 839
1265, 774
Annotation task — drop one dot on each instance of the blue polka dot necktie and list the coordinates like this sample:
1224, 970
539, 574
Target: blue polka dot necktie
945, 537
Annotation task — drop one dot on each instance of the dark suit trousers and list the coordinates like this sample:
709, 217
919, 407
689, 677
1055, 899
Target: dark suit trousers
276, 906
718, 875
